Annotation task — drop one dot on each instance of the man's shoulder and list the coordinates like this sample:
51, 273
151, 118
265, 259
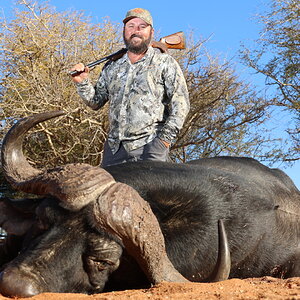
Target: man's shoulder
114, 62
163, 57
111, 65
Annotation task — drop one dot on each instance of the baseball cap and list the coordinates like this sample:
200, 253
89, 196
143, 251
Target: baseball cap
141, 13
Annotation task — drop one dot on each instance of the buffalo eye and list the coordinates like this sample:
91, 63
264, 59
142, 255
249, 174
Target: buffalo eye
102, 254
42, 224
102, 265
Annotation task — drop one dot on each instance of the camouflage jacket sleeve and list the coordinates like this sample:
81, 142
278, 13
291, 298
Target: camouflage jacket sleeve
178, 101
94, 97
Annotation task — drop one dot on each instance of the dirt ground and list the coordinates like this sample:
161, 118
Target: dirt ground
254, 288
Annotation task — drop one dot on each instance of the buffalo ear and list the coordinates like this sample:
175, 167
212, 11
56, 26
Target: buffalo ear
17, 216
50, 212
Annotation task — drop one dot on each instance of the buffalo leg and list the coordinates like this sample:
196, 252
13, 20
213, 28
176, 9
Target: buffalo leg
122, 212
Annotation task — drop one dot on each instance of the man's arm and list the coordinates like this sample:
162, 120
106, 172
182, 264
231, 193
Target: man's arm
94, 97
179, 105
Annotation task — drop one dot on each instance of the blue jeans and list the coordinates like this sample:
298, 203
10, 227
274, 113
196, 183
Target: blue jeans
155, 150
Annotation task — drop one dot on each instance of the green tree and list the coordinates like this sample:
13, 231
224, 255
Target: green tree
277, 56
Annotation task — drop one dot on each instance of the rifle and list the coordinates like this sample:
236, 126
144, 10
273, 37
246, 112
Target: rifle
172, 41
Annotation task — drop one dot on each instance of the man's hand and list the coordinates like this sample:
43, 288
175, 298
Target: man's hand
82, 73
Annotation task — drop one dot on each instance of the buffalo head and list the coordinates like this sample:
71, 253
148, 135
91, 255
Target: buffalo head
55, 235
89, 229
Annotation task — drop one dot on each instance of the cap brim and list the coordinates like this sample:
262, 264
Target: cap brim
128, 18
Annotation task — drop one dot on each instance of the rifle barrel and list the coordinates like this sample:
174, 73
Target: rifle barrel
99, 61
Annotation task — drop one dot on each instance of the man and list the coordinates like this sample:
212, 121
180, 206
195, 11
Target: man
148, 104
147, 93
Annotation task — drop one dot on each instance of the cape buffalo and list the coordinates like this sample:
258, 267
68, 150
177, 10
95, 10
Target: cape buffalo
63, 248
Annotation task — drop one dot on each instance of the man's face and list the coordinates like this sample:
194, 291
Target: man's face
137, 35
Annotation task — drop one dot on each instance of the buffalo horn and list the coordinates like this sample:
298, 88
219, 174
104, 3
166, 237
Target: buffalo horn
223, 265
75, 185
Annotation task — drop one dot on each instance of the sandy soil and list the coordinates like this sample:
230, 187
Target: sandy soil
254, 288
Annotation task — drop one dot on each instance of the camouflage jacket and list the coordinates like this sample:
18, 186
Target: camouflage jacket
147, 99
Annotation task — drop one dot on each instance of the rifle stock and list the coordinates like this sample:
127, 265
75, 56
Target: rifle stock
172, 41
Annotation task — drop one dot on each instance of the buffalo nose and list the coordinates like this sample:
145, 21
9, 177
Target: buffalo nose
12, 285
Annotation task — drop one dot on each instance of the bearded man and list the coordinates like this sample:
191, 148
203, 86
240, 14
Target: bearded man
147, 93
148, 100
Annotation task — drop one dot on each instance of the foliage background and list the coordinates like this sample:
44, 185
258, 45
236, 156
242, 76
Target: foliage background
38, 46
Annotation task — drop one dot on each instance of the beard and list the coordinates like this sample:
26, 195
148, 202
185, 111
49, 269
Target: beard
137, 48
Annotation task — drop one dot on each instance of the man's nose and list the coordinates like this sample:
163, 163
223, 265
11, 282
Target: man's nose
137, 29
